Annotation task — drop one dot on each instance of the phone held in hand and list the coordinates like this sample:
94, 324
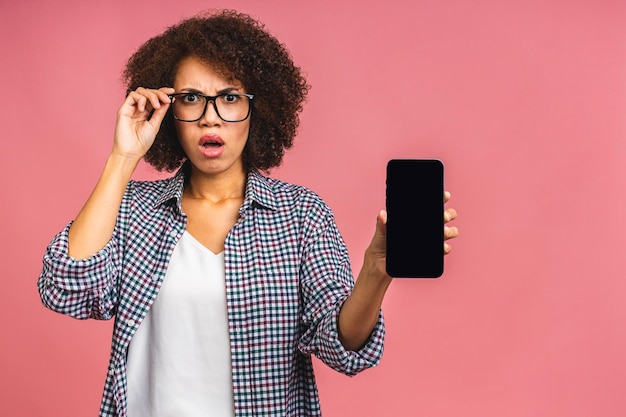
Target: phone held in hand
415, 204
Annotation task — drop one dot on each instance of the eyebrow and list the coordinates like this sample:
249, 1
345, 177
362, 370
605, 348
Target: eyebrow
219, 92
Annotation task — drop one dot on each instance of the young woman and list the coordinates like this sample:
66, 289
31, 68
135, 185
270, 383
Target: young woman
222, 281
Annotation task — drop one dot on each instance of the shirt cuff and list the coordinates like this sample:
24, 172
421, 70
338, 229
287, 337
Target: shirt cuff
333, 353
71, 274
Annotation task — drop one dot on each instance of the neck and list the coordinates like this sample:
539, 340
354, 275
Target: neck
227, 185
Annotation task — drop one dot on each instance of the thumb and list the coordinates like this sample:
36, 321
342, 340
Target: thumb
158, 115
379, 241
381, 223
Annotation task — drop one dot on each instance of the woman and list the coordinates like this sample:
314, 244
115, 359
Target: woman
251, 274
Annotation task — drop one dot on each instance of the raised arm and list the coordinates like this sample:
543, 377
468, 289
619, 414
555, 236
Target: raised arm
138, 121
360, 311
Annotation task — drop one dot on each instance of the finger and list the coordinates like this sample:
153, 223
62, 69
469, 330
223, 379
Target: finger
450, 232
136, 100
446, 249
158, 115
154, 97
164, 102
163, 94
449, 215
167, 90
446, 196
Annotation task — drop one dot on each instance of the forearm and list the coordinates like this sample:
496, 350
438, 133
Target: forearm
360, 311
94, 225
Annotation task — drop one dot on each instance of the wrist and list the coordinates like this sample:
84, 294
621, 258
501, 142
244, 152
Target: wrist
120, 167
123, 162
374, 267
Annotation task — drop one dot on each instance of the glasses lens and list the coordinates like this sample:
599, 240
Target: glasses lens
232, 107
189, 107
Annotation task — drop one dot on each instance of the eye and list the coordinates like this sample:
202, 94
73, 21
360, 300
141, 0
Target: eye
230, 98
191, 98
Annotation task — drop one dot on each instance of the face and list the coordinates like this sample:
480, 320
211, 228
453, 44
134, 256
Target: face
214, 147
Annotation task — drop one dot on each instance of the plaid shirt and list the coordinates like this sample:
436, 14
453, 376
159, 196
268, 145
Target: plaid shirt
287, 275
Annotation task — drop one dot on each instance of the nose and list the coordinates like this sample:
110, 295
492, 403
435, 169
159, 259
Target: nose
210, 116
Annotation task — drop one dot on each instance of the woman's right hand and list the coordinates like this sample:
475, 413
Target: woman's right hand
138, 121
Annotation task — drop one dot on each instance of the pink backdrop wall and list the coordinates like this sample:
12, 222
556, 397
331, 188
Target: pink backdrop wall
524, 100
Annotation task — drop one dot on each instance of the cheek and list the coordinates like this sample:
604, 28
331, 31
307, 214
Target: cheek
181, 131
179, 127
182, 136
244, 132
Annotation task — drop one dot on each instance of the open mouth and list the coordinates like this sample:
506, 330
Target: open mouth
211, 144
211, 141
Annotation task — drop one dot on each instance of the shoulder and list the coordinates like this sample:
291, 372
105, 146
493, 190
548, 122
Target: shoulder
293, 190
155, 192
148, 187
285, 195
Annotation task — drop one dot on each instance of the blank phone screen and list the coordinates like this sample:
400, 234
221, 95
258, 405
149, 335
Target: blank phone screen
415, 218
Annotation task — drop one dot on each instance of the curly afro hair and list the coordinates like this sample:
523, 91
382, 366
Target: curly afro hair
241, 49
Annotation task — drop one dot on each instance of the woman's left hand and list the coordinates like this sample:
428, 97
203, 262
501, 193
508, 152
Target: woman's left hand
360, 311
376, 252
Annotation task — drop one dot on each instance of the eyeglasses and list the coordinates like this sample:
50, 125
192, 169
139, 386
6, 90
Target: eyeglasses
230, 107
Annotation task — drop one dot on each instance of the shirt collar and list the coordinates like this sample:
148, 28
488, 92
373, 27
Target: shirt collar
258, 190
173, 189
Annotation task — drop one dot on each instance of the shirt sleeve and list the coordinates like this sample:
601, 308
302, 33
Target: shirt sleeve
327, 282
79, 288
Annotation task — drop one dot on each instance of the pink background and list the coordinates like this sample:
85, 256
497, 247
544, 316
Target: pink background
525, 102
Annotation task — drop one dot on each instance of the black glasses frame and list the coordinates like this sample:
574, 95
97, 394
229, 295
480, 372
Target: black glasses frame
212, 100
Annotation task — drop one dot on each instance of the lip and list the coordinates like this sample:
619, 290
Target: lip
215, 147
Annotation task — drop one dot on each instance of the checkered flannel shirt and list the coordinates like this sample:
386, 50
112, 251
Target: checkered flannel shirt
287, 275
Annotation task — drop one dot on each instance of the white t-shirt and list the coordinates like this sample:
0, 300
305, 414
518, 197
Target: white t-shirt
179, 360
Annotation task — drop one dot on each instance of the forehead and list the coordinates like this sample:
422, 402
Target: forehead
193, 72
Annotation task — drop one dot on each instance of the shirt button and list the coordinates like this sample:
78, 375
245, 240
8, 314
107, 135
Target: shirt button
130, 323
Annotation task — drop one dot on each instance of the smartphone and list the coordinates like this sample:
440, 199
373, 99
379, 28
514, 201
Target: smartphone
415, 203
